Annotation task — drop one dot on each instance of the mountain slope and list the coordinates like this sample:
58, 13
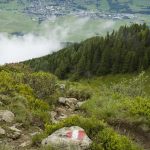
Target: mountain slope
33, 96
124, 51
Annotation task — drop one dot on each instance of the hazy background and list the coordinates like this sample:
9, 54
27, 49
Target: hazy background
49, 38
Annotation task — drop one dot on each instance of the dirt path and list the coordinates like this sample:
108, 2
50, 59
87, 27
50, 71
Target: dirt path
67, 107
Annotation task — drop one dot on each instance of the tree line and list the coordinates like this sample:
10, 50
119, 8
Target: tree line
124, 51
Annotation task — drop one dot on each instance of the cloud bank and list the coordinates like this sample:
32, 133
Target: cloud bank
15, 49
19, 48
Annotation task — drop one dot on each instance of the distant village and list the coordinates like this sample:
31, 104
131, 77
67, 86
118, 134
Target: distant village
41, 10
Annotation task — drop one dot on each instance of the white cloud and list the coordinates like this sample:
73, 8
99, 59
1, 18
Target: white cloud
15, 49
19, 48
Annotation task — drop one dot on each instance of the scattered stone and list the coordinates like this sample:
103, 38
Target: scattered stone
67, 107
2, 131
68, 138
14, 135
13, 128
53, 117
63, 116
62, 100
1, 103
62, 87
6, 115
25, 144
60, 111
17, 125
69, 102
145, 128
35, 133
79, 104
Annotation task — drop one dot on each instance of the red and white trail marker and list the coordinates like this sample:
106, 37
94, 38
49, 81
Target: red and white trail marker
76, 134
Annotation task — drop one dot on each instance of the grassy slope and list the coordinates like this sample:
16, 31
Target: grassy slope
31, 102
16, 22
129, 115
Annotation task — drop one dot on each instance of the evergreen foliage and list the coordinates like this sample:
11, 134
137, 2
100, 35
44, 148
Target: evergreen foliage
124, 51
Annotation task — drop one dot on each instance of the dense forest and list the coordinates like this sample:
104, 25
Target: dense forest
124, 51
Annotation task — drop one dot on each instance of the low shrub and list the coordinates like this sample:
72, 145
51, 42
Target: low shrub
138, 108
131, 88
110, 140
104, 138
38, 104
6, 83
36, 139
40, 117
91, 125
6, 100
81, 95
43, 84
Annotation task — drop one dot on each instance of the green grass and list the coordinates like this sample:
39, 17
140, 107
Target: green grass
11, 21
118, 97
119, 100
16, 22
21, 90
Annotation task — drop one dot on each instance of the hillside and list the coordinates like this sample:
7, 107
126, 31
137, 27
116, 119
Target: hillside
115, 113
62, 6
124, 51
74, 74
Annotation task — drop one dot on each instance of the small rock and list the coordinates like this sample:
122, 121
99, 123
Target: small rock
62, 100
63, 116
6, 115
69, 102
79, 104
145, 128
14, 135
68, 138
1, 103
2, 131
25, 144
13, 128
35, 133
18, 124
60, 111
62, 86
53, 117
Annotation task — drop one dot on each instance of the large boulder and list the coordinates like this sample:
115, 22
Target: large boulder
6, 115
68, 138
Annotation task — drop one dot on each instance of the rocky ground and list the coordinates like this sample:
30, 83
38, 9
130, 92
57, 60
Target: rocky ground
67, 107
18, 137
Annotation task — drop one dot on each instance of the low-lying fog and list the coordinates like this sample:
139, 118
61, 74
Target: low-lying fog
15, 48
